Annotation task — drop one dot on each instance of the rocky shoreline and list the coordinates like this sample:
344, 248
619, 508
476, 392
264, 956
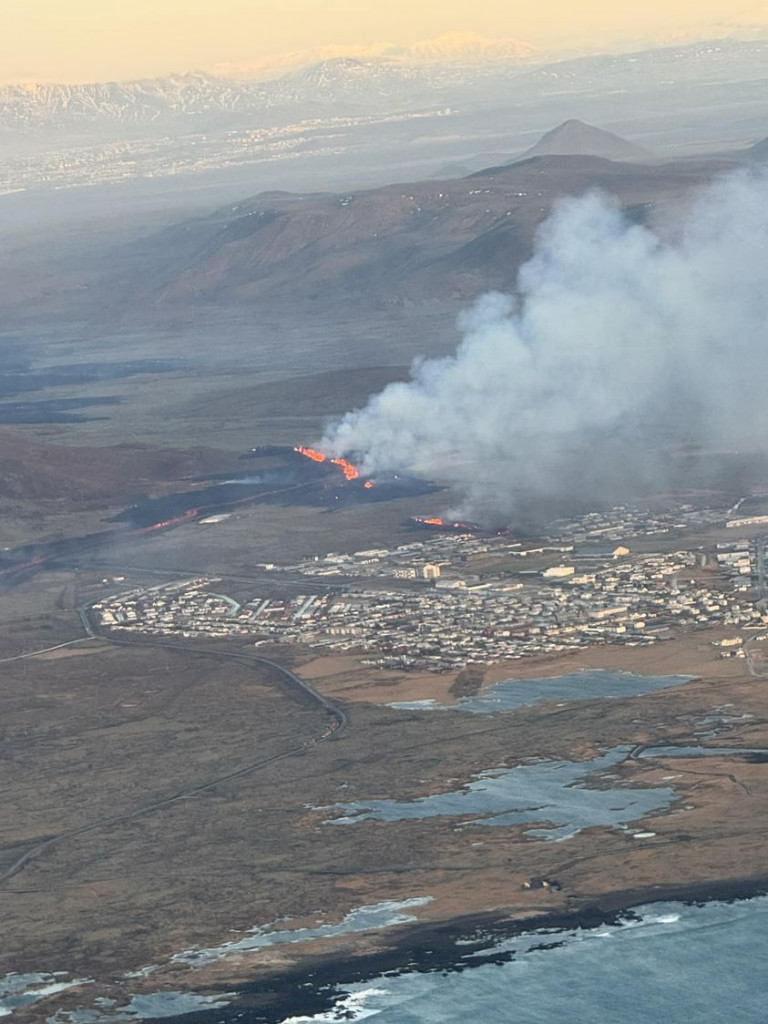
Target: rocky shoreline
312, 986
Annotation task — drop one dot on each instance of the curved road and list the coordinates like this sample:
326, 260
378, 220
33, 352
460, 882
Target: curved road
335, 711
338, 717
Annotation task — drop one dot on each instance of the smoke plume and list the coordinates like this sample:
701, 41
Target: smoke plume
622, 343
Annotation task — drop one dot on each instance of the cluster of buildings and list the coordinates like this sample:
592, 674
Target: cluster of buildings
416, 561
164, 155
744, 561
446, 601
620, 522
192, 608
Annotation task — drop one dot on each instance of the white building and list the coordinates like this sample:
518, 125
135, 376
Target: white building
558, 572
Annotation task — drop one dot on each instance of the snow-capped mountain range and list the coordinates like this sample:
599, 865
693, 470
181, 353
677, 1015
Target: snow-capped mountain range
455, 48
201, 100
346, 85
373, 115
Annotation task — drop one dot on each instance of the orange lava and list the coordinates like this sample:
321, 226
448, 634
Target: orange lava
311, 453
349, 471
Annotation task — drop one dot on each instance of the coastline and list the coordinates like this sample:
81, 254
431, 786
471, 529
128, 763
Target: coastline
311, 985
473, 879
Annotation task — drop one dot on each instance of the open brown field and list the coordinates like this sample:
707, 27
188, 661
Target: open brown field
88, 738
344, 677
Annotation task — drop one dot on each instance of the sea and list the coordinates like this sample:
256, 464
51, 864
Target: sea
663, 963
667, 963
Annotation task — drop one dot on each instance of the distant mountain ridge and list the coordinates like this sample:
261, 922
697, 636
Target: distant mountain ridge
344, 84
457, 48
575, 138
465, 47
34, 107
446, 70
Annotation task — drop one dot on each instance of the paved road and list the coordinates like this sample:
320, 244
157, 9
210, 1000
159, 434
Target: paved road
45, 650
273, 579
338, 721
335, 711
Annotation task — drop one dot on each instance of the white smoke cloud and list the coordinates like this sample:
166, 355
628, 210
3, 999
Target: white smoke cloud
621, 340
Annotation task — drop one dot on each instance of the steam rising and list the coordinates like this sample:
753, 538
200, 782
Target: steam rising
622, 342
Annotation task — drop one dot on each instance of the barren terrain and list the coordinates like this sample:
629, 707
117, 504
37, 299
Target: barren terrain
170, 800
90, 736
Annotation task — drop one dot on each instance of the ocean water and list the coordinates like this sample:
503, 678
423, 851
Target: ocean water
672, 964
665, 963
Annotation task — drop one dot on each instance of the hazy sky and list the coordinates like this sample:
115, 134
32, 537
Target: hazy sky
86, 40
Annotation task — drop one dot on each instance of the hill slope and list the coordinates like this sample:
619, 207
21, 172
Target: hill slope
89, 477
421, 242
575, 138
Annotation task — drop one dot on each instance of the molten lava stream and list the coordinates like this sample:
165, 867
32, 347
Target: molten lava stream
349, 471
311, 453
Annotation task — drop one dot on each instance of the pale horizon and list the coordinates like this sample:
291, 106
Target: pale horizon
107, 40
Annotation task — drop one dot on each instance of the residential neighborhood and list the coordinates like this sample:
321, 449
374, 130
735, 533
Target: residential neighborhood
446, 601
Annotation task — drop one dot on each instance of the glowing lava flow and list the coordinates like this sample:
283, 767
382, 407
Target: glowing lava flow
350, 472
310, 453
175, 521
435, 521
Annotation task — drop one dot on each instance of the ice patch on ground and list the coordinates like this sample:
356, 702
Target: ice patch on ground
19, 990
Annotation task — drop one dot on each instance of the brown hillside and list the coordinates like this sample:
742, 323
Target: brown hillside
404, 243
575, 138
30, 470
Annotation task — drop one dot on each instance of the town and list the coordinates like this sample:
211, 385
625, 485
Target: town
442, 602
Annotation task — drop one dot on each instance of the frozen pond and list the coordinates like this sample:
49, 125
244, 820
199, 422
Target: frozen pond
361, 919
154, 1006
20, 990
557, 793
592, 684
157, 1005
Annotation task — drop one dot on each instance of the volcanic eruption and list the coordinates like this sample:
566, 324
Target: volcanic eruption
454, 525
350, 472
624, 344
